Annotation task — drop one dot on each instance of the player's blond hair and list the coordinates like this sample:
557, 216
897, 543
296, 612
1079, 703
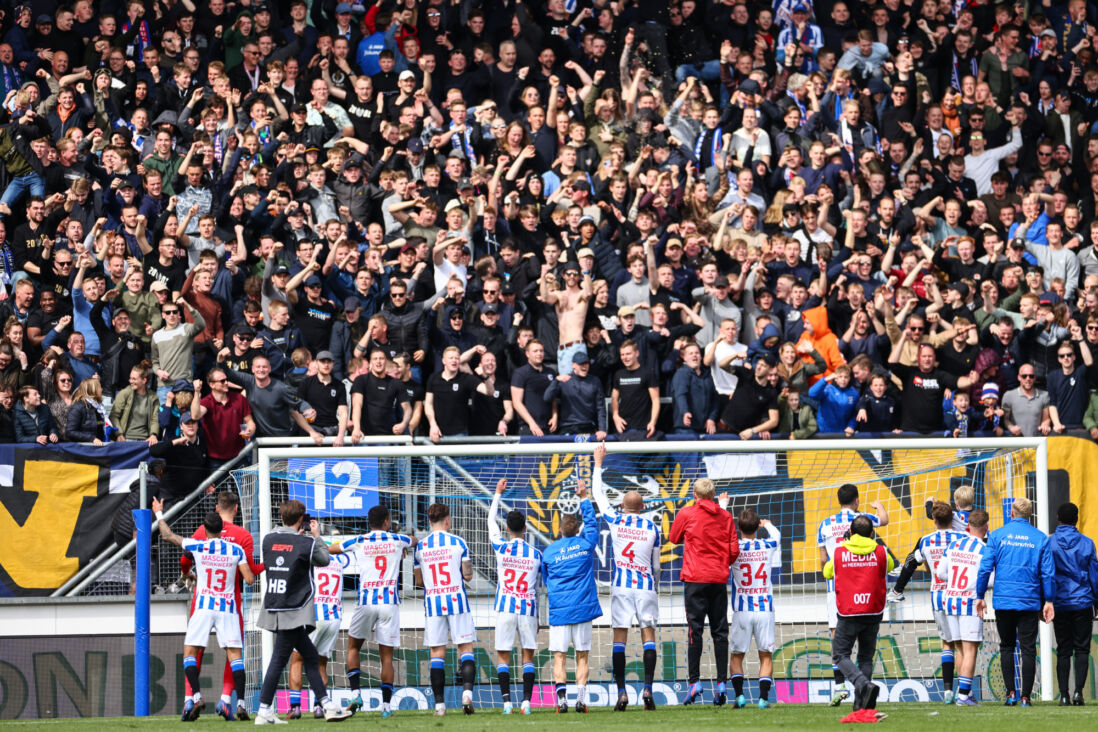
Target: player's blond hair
704, 490
964, 497
1023, 507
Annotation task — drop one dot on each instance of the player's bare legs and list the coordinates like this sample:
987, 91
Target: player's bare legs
966, 665
560, 679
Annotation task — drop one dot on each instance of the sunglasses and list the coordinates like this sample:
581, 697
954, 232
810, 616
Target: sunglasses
916, 328
171, 312
398, 294
216, 381
1065, 355
1027, 376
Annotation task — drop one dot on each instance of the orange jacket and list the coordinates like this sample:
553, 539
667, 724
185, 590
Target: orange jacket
819, 335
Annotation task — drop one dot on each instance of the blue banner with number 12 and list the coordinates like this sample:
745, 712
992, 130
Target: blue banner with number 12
337, 487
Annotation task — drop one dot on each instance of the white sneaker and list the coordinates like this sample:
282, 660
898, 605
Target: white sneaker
526, 707
268, 717
440, 710
508, 708
467, 702
334, 713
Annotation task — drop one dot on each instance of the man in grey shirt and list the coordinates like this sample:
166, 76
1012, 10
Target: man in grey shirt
1027, 406
275, 406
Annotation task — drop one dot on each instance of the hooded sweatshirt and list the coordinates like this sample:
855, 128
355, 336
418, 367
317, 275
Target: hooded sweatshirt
1076, 569
838, 406
711, 545
767, 344
822, 339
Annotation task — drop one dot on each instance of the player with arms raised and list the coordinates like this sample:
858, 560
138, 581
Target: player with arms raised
518, 566
377, 617
216, 563
831, 533
957, 569
442, 569
929, 551
328, 600
636, 543
753, 604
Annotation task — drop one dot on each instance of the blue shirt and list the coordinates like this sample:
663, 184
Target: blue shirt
568, 571
1021, 558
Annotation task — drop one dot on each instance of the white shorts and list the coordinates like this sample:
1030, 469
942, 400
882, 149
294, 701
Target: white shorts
324, 636
832, 611
226, 625
576, 635
944, 630
508, 624
965, 628
747, 624
626, 604
443, 630
376, 623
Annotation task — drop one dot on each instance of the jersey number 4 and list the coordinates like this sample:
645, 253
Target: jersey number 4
760, 575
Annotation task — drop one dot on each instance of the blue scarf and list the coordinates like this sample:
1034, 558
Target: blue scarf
714, 146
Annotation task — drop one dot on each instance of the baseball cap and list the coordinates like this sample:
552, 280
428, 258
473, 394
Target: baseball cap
408, 248
674, 243
298, 108
791, 208
415, 145
876, 86
799, 8
281, 270
580, 357
585, 252
452, 204
352, 163
490, 307
187, 416
245, 330
960, 288
351, 304
182, 385
406, 74
569, 266
43, 19
455, 312
343, 8
626, 311
325, 356
587, 220
157, 285
464, 184
313, 281
750, 86
1048, 32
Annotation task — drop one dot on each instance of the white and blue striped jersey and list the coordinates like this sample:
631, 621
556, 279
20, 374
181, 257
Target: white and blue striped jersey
636, 542
811, 36
960, 520
328, 581
833, 529
378, 556
783, 11
750, 575
215, 566
929, 551
518, 570
958, 569
439, 558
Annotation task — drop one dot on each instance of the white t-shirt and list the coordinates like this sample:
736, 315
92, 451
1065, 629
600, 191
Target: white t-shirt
723, 381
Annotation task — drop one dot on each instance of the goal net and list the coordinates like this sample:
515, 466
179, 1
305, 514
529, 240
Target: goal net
792, 484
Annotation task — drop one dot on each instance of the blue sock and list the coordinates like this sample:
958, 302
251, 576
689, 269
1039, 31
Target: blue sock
237, 665
528, 668
964, 685
295, 698
466, 657
354, 679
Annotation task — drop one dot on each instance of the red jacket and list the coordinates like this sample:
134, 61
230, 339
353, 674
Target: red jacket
708, 534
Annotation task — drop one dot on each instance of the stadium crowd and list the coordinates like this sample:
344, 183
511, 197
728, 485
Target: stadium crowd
539, 218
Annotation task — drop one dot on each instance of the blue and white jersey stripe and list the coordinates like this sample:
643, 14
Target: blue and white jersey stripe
518, 568
957, 570
439, 558
328, 581
750, 576
930, 550
636, 543
215, 567
378, 555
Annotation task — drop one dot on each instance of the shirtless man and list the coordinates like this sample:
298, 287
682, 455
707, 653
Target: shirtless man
571, 305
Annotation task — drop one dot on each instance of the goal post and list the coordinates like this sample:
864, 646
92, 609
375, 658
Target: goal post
792, 483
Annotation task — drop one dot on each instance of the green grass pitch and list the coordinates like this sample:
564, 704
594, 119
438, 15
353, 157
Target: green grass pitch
789, 718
